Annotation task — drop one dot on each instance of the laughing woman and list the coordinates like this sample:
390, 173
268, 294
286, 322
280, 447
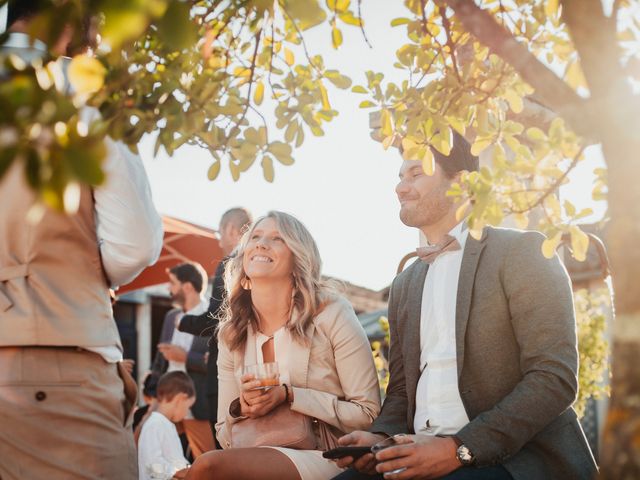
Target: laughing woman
280, 310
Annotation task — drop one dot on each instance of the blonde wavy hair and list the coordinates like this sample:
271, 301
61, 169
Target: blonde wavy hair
311, 293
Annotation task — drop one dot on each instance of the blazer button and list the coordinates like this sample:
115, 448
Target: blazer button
40, 396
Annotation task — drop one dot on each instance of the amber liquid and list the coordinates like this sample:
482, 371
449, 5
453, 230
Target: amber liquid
269, 382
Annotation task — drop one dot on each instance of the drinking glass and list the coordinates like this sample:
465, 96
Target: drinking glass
267, 373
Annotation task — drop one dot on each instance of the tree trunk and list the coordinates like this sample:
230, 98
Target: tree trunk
620, 453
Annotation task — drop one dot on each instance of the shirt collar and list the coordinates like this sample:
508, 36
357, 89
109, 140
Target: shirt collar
22, 40
459, 232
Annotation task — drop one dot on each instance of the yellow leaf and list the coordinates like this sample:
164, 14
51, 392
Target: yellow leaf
387, 126
428, 161
386, 143
336, 37
214, 170
288, 57
267, 168
574, 76
579, 244
325, 97
551, 8
515, 101
408, 144
86, 74
550, 245
480, 144
259, 93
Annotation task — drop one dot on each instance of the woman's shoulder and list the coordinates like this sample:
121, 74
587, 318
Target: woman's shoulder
335, 307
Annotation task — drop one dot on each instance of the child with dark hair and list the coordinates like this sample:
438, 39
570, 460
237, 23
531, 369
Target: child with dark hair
159, 449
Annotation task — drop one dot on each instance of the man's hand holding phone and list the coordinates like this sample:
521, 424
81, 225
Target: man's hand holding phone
366, 463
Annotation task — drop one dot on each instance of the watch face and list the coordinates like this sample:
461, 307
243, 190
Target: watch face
464, 455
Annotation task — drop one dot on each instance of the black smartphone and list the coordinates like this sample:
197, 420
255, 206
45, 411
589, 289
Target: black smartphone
339, 452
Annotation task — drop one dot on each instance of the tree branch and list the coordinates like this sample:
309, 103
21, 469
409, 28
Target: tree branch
555, 93
594, 37
554, 186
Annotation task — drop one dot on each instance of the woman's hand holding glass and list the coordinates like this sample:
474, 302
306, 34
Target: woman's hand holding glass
258, 396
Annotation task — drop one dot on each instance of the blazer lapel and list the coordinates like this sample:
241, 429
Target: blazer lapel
473, 249
299, 358
412, 330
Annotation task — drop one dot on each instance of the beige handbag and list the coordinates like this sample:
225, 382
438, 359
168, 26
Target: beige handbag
282, 427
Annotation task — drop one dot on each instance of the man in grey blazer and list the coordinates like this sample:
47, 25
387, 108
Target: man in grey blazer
483, 359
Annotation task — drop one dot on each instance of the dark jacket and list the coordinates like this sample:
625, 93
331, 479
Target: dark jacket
196, 366
204, 326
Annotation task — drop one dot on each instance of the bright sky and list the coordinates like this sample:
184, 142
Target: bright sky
342, 184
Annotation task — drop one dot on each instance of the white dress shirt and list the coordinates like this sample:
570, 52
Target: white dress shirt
159, 448
439, 408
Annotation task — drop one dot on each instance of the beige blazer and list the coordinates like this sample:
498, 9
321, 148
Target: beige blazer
333, 378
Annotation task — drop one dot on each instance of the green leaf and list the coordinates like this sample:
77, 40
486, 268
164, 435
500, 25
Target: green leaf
367, 104
175, 28
214, 170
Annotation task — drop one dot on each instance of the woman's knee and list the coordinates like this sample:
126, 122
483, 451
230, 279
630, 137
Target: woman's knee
205, 465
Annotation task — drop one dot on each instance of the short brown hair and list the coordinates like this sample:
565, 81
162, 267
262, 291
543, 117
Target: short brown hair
173, 383
191, 272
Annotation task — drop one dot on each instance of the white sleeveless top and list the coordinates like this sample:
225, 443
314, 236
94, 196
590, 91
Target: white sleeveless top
281, 345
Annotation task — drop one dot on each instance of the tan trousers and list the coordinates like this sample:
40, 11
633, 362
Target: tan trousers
64, 414
199, 435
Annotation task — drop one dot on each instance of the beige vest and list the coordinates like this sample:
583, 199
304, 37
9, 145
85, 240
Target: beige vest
53, 290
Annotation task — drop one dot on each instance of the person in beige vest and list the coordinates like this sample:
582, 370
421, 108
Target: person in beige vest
280, 310
65, 400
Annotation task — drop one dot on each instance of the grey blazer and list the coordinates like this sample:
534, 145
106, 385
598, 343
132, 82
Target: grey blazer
516, 353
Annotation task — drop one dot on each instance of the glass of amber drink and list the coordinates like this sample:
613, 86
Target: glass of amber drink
267, 373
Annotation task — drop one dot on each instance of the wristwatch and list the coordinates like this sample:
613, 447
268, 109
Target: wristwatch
464, 455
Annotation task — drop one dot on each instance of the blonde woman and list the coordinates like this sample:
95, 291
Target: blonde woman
280, 310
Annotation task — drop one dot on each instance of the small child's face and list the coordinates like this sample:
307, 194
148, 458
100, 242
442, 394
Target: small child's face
181, 405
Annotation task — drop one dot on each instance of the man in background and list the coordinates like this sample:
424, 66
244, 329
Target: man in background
179, 351
233, 224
